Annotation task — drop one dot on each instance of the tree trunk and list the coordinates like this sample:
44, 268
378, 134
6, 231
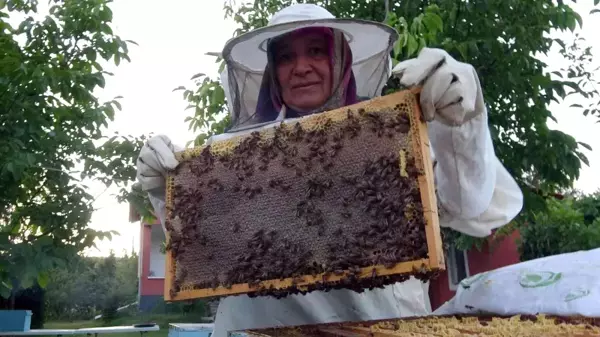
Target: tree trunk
11, 300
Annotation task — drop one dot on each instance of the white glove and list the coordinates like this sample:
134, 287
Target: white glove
451, 92
155, 159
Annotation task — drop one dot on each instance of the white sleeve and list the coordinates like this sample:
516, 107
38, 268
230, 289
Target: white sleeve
475, 191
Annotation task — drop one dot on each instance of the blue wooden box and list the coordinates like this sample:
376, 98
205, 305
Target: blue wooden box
190, 330
15, 320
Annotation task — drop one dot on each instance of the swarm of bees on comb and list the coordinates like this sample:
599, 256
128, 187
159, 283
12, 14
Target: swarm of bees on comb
447, 326
340, 199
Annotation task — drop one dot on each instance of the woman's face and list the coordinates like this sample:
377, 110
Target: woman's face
303, 70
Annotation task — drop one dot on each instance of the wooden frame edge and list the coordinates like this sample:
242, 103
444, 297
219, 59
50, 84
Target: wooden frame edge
170, 263
422, 147
374, 103
346, 329
244, 288
169, 276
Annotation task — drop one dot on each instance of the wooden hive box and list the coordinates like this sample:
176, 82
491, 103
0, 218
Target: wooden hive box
484, 326
339, 199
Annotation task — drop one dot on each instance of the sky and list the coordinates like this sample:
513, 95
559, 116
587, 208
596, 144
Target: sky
173, 40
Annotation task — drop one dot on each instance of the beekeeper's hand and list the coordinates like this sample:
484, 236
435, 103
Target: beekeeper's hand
156, 158
451, 92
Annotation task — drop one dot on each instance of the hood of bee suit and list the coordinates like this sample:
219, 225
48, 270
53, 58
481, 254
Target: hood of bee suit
246, 56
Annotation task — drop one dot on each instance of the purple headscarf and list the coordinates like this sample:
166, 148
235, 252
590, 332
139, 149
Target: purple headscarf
343, 91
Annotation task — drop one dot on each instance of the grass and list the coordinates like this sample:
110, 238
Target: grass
162, 320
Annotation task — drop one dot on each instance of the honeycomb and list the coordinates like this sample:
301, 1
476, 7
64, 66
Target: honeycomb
448, 326
334, 200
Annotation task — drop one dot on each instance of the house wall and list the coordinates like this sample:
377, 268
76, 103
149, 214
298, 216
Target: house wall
151, 287
500, 254
492, 256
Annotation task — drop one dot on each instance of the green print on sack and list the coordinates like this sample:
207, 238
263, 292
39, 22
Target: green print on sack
539, 279
576, 293
468, 282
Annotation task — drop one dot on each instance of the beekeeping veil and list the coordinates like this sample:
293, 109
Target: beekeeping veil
246, 56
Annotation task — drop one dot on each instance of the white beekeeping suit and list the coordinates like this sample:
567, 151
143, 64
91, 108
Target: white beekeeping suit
476, 192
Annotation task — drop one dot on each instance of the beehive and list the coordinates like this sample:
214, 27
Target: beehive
447, 326
339, 199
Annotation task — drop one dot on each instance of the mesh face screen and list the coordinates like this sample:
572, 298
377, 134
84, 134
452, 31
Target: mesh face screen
335, 196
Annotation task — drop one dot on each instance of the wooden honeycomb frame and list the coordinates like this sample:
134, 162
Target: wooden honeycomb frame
421, 152
519, 325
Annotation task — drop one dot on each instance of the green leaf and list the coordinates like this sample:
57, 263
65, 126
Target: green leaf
5, 290
412, 44
417, 25
422, 44
4, 239
15, 229
90, 53
42, 279
106, 14
473, 48
433, 22
583, 159
571, 21
30, 159
578, 18
109, 112
100, 80
397, 48
462, 49
222, 66
198, 75
10, 167
218, 96
585, 145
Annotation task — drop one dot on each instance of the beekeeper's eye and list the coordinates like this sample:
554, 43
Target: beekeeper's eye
283, 57
317, 51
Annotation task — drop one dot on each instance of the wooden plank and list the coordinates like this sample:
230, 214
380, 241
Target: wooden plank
341, 332
439, 326
169, 276
170, 263
400, 268
421, 153
421, 147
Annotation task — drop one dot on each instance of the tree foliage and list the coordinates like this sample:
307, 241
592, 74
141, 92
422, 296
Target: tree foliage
503, 40
569, 225
209, 104
53, 132
88, 286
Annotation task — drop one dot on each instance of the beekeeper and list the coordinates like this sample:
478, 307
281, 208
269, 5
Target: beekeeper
306, 61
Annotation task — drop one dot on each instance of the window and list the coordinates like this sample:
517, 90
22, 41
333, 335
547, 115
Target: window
157, 258
457, 264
